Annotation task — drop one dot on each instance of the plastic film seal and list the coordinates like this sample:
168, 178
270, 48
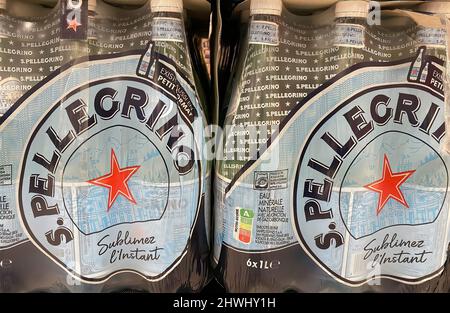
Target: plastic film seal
271, 7
352, 9
175, 6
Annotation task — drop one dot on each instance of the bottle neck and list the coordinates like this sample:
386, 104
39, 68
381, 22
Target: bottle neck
175, 15
266, 18
168, 26
3, 24
92, 34
169, 39
350, 20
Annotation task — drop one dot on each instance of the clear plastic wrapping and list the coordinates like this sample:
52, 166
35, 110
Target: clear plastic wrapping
103, 181
330, 177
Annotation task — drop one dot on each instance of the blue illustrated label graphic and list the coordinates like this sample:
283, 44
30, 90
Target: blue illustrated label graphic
109, 177
360, 180
423, 193
370, 192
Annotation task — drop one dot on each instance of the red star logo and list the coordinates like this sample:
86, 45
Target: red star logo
73, 24
389, 186
116, 181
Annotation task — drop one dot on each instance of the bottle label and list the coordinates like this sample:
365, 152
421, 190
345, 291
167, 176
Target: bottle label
366, 184
220, 184
167, 29
32, 50
259, 220
263, 33
349, 35
432, 37
101, 167
10, 92
3, 26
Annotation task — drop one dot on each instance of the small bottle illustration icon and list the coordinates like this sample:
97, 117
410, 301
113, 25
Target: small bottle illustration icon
152, 70
145, 61
424, 74
417, 65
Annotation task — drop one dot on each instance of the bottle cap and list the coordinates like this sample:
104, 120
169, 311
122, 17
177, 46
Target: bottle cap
272, 7
352, 9
175, 6
92, 5
3, 4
